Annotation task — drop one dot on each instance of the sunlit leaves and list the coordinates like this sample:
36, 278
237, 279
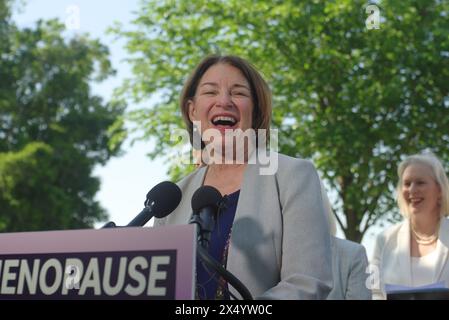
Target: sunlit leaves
53, 130
354, 100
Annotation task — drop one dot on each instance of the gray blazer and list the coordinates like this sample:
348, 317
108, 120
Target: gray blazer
280, 243
349, 266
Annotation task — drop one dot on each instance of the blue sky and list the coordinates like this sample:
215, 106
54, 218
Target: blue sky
124, 180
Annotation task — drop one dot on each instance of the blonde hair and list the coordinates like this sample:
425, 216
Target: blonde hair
438, 174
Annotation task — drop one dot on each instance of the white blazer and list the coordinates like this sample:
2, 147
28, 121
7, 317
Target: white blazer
393, 260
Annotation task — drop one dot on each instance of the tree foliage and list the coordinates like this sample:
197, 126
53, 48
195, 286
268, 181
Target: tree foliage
53, 130
354, 100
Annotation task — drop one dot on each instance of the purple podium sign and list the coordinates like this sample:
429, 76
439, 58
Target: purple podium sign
116, 263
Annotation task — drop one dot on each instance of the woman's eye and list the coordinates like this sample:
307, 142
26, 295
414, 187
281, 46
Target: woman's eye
239, 93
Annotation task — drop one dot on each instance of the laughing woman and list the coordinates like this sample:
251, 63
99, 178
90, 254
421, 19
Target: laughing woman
273, 234
415, 252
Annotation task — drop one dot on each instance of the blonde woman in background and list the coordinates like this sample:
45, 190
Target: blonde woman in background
415, 251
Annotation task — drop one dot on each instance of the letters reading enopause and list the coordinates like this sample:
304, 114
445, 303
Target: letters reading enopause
144, 274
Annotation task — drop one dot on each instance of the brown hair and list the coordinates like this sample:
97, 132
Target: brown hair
260, 92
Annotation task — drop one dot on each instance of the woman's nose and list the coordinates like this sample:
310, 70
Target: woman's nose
224, 99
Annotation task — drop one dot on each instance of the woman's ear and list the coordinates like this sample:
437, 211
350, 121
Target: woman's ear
192, 110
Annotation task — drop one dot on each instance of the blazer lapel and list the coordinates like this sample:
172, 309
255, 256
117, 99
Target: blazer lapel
403, 253
245, 205
246, 236
443, 251
188, 188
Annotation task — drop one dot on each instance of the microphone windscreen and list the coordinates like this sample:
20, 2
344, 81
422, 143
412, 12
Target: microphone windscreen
205, 196
166, 197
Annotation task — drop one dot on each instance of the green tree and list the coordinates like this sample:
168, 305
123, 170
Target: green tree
53, 130
354, 100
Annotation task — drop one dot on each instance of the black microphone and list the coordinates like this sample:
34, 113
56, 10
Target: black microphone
160, 202
205, 203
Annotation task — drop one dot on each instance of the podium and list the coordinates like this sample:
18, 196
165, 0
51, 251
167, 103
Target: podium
117, 263
420, 294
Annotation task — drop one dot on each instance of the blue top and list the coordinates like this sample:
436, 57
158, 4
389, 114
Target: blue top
207, 286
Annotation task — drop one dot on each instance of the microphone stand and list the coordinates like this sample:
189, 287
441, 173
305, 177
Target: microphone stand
203, 244
228, 276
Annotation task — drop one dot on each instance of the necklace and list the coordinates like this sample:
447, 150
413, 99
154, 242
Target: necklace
425, 241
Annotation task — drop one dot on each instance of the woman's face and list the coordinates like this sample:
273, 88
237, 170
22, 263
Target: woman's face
222, 100
420, 190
